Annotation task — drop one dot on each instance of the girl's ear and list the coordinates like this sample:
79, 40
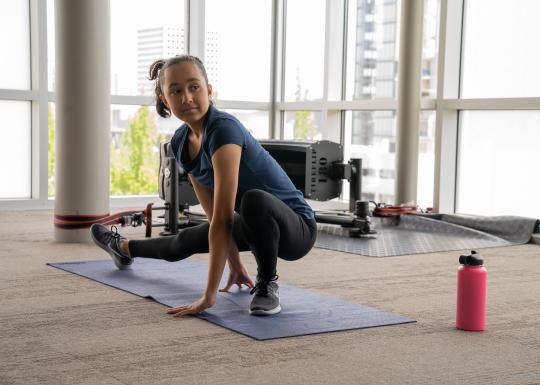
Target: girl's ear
163, 100
210, 91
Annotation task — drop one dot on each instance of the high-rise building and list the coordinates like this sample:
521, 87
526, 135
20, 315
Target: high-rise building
376, 69
153, 44
165, 42
211, 55
160, 43
375, 78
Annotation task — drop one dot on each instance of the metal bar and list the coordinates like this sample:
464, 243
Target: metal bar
355, 186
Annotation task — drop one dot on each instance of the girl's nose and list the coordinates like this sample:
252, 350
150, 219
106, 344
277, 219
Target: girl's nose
186, 98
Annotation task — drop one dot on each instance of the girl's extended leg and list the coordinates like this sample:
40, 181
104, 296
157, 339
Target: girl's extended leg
188, 241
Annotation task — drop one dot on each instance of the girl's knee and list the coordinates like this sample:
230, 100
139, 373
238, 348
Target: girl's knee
290, 258
253, 197
254, 204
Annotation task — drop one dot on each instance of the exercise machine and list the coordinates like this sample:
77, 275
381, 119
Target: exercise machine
316, 168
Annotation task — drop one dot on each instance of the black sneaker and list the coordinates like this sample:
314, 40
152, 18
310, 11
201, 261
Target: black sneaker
110, 242
266, 299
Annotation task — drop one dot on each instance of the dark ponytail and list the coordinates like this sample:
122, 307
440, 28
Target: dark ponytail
153, 74
156, 73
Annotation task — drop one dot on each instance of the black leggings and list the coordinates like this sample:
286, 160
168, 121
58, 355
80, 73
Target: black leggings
265, 225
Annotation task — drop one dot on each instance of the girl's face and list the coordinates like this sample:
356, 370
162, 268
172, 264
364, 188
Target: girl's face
185, 92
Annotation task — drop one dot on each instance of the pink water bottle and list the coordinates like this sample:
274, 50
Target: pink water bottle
471, 293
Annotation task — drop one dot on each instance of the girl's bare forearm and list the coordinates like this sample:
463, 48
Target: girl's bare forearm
234, 256
219, 236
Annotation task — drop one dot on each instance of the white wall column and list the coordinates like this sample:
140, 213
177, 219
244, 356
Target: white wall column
82, 111
408, 110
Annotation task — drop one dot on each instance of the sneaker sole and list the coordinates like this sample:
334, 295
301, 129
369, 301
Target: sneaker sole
265, 312
118, 264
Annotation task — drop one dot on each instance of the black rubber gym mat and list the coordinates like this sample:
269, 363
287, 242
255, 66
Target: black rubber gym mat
415, 234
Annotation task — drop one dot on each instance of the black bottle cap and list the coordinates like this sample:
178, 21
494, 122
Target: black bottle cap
473, 259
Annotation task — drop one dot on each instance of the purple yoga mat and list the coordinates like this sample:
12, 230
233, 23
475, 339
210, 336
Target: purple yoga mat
174, 284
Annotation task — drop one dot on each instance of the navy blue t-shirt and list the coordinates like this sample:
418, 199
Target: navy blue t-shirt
258, 170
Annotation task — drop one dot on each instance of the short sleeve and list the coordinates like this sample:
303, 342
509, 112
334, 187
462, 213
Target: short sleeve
225, 131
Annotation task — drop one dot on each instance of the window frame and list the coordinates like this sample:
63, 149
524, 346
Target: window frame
447, 104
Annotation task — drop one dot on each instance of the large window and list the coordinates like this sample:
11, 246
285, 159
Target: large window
430, 48
500, 58
372, 69
308, 70
15, 45
136, 134
372, 50
15, 150
374, 142
334, 76
256, 122
304, 49
142, 32
305, 125
497, 158
496, 141
15, 129
237, 54
137, 41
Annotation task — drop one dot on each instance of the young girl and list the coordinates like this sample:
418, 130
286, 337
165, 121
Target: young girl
250, 202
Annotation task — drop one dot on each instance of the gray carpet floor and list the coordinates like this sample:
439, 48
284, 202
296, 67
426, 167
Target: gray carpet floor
58, 328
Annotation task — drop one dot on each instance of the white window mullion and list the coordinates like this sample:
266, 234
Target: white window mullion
492, 104
334, 49
451, 21
22, 95
39, 76
132, 100
276, 68
280, 95
333, 66
242, 105
302, 105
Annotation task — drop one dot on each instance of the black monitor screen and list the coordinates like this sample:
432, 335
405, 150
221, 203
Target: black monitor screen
294, 164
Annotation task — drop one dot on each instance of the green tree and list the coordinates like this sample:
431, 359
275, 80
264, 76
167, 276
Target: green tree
304, 126
51, 151
134, 166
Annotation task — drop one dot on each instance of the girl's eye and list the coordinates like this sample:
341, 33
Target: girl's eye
194, 88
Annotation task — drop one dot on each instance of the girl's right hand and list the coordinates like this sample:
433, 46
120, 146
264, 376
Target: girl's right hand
238, 277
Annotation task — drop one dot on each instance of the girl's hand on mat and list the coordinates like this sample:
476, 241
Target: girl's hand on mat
196, 307
238, 277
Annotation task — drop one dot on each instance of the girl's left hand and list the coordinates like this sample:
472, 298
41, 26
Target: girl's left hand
238, 277
196, 307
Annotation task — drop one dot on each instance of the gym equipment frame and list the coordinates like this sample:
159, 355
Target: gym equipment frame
316, 168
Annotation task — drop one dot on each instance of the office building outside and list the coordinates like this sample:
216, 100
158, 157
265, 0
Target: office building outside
376, 69
152, 44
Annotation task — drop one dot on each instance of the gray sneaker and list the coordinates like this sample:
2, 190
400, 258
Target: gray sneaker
266, 299
110, 242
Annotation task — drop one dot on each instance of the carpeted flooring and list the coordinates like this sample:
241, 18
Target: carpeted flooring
58, 328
